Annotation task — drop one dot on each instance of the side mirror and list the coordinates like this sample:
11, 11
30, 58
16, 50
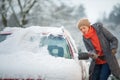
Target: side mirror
83, 56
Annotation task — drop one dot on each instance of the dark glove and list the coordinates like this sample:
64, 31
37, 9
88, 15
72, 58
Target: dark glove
114, 51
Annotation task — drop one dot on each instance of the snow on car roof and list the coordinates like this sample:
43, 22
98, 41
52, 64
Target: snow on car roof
49, 30
36, 29
10, 30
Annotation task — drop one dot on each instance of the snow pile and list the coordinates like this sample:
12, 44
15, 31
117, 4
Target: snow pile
22, 58
10, 29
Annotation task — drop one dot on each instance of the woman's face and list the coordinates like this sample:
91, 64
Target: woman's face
84, 29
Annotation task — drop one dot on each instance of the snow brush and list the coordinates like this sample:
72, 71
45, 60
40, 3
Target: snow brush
83, 56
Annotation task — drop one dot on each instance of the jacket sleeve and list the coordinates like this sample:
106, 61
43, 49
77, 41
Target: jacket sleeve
110, 37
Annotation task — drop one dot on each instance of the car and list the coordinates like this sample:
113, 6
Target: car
41, 53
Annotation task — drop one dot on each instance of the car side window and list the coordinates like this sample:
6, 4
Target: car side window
3, 37
57, 46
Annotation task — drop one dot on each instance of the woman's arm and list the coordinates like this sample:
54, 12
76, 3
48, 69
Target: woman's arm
110, 37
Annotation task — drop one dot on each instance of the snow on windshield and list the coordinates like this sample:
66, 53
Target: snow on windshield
21, 57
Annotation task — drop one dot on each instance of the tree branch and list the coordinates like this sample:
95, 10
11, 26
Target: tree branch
19, 2
27, 9
14, 13
3, 13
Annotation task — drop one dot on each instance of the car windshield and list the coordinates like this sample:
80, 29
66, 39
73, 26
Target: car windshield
57, 46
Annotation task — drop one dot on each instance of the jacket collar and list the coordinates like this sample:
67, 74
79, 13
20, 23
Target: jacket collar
97, 26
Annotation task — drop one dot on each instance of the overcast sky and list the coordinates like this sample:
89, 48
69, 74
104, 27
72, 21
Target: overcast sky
95, 8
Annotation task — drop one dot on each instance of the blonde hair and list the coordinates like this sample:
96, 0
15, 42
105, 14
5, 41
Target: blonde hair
83, 22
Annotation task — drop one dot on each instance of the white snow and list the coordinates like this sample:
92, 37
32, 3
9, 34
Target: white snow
22, 58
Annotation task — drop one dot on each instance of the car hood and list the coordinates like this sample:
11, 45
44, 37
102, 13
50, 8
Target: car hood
34, 65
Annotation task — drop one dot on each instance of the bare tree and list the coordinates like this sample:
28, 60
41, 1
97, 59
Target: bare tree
8, 5
3, 12
28, 4
14, 13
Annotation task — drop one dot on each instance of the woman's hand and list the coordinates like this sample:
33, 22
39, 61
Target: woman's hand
93, 56
114, 51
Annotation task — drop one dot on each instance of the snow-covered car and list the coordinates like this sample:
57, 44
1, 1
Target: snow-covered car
42, 53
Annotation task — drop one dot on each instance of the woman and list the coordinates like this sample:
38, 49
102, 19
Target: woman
102, 47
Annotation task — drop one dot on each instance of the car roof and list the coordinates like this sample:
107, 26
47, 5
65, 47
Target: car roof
9, 30
48, 30
42, 29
